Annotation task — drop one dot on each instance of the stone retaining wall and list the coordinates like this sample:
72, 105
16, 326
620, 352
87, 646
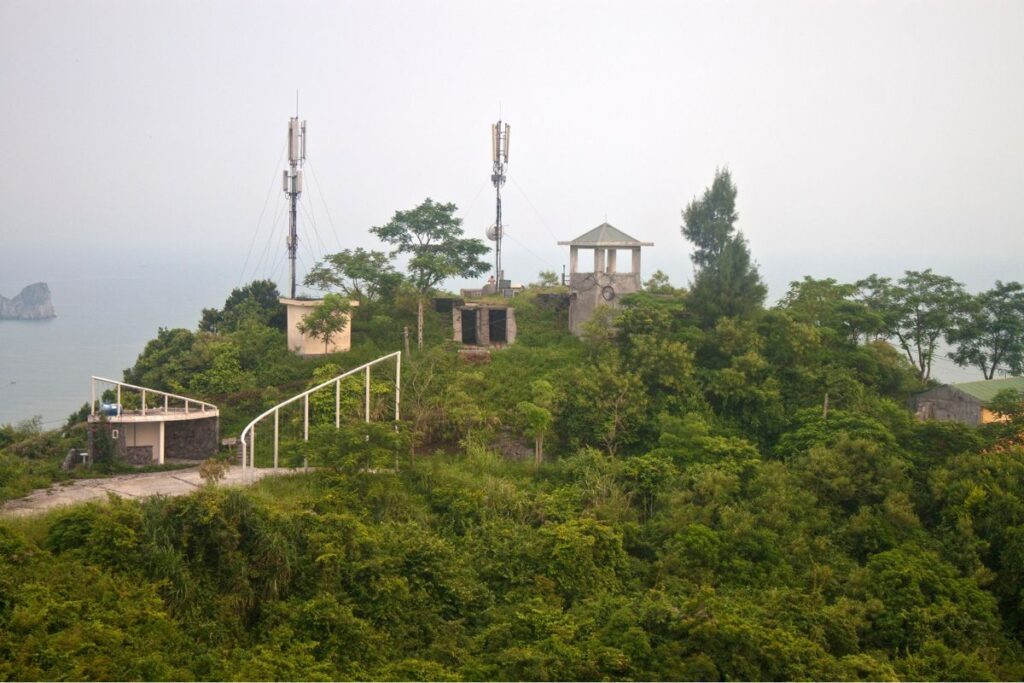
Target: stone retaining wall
192, 439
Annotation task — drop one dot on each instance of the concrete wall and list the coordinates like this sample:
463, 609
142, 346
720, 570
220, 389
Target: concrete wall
947, 405
134, 439
192, 439
589, 291
308, 346
511, 328
483, 324
138, 443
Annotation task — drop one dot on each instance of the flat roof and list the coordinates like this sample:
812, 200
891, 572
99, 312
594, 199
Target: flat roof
157, 415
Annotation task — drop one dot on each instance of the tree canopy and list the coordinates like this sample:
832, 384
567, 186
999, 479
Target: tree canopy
359, 274
988, 332
681, 494
917, 310
432, 238
726, 282
327, 319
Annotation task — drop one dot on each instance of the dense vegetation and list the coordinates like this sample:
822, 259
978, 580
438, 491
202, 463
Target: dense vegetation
725, 492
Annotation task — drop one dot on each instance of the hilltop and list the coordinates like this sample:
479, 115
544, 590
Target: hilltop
698, 487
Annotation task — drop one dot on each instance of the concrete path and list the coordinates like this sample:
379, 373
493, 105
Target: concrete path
173, 483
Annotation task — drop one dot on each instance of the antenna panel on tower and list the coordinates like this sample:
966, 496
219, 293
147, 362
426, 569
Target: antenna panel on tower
494, 141
298, 181
293, 140
508, 128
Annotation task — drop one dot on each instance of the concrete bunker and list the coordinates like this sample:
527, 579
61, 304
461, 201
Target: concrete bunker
484, 324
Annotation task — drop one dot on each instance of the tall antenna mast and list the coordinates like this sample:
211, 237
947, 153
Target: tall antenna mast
293, 187
499, 155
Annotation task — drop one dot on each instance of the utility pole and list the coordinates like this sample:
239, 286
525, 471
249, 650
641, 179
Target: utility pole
293, 188
499, 156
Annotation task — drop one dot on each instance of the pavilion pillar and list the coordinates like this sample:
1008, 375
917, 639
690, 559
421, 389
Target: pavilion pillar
161, 442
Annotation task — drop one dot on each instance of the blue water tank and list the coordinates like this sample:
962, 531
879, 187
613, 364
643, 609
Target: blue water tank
109, 409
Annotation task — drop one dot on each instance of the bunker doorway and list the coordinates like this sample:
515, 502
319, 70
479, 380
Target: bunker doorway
498, 325
469, 326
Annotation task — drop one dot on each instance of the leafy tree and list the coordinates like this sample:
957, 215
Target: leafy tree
726, 282
667, 369
547, 278
432, 237
360, 274
463, 413
658, 283
104, 448
224, 374
689, 440
535, 415
747, 393
259, 299
918, 309
213, 470
166, 361
605, 407
599, 332
989, 332
648, 477
830, 305
356, 448
1008, 403
327, 319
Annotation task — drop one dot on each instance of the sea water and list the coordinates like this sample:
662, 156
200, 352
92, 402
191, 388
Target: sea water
105, 316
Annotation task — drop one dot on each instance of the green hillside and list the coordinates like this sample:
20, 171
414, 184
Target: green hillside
699, 488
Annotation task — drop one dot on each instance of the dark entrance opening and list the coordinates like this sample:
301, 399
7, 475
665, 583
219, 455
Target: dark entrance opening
498, 326
469, 326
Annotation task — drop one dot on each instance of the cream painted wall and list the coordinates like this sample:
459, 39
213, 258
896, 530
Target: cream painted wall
307, 346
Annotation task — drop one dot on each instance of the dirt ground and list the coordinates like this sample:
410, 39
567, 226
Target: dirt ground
174, 483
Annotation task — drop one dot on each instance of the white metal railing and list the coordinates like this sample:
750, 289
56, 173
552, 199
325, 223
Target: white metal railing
248, 437
203, 406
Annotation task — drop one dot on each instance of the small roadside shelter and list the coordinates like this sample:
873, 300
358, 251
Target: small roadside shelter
966, 402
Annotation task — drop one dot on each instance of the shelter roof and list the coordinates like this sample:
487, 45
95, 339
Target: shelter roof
986, 390
606, 235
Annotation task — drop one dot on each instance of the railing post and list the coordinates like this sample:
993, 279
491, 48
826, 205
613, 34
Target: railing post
143, 403
367, 412
119, 400
252, 446
337, 404
186, 406
398, 384
92, 406
276, 440
165, 402
305, 418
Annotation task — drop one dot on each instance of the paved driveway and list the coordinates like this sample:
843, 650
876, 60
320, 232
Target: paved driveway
174, 483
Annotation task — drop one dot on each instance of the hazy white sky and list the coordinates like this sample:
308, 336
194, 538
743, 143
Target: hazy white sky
863, 136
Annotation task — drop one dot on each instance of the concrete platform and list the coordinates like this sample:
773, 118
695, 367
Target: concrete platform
174, 483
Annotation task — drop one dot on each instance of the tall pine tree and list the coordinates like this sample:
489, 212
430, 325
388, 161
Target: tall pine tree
726, 282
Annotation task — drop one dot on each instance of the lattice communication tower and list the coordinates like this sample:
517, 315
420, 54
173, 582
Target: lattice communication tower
499, 155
